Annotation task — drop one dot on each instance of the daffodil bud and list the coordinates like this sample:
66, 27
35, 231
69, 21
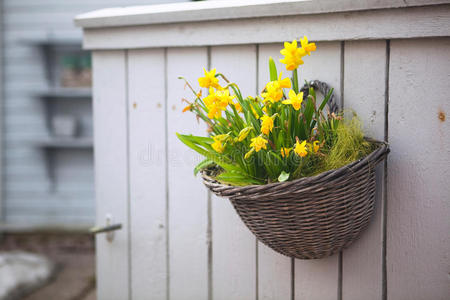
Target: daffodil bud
244, 133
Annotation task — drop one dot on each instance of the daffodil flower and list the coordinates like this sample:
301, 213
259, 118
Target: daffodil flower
264, 109
274, 89
266, 124
258, 143
224, 97
292, 55
308, 47
284, 83
285, 151
316, 146
216, 102
218, 145
294, 99
210, 79
238, 107
300, 149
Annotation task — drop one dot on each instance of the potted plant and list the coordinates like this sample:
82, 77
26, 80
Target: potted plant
300, 175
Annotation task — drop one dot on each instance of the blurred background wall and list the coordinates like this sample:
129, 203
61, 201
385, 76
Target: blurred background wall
46, 126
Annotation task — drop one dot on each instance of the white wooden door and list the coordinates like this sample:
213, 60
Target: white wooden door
180, 242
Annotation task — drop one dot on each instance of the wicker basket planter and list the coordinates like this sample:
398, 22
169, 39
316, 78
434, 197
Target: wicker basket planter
312, 217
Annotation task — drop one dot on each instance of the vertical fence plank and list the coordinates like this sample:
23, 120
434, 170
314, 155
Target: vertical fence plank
146, 106
318, 279
111, 177
187, 195
418, 223
274, 269
234, 261
364, 85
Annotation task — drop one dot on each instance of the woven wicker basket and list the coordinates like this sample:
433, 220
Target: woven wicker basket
312, 217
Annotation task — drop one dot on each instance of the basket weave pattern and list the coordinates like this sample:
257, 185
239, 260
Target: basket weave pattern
312, 217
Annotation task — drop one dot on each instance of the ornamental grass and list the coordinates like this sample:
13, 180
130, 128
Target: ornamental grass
282, 134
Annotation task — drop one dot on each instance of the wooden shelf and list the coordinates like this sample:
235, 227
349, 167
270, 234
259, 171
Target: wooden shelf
53, 42
66, 93
66, 143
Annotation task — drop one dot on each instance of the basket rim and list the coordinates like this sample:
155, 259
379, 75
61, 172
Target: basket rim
376, 155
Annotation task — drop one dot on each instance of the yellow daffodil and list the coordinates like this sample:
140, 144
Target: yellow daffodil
315, 146
300, 149
211, 98
266, 124
238, 107
274, 89
210, 79
264, 109
216, 102
258, 143
294, 99
218, 145
285, 151
307, 47
284, 83
292, 55
215, 111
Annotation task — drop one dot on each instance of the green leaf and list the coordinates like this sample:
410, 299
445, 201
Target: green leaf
325, 100
237, 178
237, 91
210, 154
309, 111
202, 165
273, 70
283, 176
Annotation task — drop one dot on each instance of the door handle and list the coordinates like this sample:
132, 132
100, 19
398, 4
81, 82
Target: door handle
107, 228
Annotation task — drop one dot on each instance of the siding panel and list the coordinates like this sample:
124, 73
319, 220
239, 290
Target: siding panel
274, 269
147, 173
187, 195
234, 251
318, 279
364, 93
418, 223
111, 177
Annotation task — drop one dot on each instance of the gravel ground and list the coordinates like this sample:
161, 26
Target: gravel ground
74, 255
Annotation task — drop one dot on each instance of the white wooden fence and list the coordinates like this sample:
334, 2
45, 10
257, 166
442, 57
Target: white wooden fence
387, 60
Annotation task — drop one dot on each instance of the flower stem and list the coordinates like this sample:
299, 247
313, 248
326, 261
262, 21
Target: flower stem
295, 81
